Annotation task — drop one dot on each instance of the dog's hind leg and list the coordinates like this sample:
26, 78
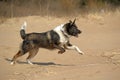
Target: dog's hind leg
24, 48
19, 53
32, 53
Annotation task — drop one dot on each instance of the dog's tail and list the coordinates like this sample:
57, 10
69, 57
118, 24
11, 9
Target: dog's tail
22, 31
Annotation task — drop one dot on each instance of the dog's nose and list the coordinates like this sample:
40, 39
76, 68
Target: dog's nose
79, 31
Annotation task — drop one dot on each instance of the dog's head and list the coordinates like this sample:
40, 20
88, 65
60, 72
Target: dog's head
71, 28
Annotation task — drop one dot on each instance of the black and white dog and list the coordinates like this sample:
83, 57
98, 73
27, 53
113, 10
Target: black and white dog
57, 38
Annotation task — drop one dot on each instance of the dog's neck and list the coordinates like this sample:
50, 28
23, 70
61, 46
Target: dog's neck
64, 32
61, 31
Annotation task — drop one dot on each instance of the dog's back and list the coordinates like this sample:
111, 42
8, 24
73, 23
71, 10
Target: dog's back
45, 39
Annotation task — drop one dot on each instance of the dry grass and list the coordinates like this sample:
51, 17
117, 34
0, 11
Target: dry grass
2, 20
58, 8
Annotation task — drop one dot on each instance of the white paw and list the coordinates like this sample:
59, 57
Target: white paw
12, 63
82, 53
29, 62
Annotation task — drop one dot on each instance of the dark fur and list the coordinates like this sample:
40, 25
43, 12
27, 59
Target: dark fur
72, 29
41, 40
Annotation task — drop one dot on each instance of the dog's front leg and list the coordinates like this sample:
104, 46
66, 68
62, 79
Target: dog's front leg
70, 46
62, 50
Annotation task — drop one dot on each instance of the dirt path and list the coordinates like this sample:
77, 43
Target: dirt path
100, 42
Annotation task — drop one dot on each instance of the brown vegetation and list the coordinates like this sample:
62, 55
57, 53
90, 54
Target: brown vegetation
16, 8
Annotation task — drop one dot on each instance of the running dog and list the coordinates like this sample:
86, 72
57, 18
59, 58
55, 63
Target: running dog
57, 38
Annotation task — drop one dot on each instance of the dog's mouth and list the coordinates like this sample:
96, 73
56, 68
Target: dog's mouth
76, 35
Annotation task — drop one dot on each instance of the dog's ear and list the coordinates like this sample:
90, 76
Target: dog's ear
70, 21
74, 21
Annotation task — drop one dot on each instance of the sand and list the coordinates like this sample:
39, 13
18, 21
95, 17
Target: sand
100, 41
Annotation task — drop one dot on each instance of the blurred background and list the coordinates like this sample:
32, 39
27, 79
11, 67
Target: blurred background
99, 21
57, 8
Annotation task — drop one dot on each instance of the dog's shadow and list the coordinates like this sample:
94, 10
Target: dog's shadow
41, 63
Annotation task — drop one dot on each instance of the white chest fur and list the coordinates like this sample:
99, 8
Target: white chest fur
63, 38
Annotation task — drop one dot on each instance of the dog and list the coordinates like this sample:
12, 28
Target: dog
58, 38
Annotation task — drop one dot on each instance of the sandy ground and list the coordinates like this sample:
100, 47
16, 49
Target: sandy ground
100, 41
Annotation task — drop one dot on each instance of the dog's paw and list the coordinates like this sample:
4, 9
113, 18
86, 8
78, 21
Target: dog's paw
82, 53
12, 63
29, 62
61, 52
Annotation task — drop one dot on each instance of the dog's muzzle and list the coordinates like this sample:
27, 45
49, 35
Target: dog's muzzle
79, 31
